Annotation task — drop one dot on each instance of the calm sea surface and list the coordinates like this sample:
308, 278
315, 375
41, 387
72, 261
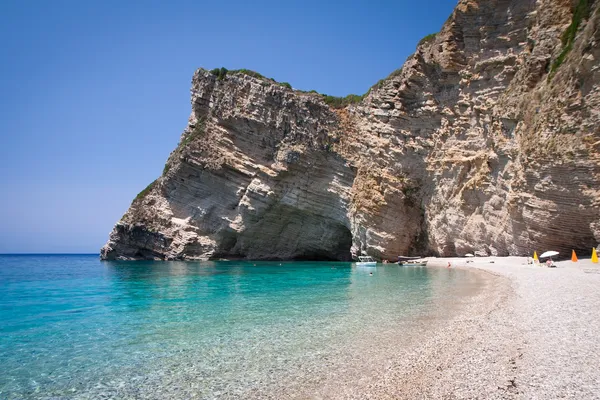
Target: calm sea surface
73, 327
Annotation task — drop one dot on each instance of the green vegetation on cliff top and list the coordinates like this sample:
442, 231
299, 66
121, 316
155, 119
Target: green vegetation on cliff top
145, 191
380, 82
341, 102
332, 101
222, 72
427, 38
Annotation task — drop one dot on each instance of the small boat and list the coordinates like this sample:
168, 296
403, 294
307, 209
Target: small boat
413, 263
407, 258
366, 261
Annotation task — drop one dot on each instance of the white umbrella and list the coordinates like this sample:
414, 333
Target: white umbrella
550, 253
469, 255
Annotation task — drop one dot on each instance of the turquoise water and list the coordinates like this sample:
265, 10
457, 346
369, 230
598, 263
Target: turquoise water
74, 327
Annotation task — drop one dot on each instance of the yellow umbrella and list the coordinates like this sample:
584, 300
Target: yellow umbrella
535, 257
594, 256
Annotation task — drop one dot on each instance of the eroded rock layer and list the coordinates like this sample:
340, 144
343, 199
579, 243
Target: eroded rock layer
486, 141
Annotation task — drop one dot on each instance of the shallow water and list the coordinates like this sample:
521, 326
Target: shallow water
76, 327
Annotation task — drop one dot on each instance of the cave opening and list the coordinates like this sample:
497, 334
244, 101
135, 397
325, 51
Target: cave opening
335, 248
286, 233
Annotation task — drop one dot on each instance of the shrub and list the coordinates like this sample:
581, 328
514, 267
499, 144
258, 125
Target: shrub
559, 60
427, 38
581, 12
248, 72
195, 133
341, 102
395, 73
380, 82
220, 73
144, 192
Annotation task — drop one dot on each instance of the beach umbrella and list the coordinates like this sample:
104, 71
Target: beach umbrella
535, 257
594, 256
574, 256
550, 253
469, 255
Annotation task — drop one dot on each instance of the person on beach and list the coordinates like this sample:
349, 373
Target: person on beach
449, 265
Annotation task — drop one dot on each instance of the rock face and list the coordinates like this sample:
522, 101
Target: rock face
254, 176
487, 140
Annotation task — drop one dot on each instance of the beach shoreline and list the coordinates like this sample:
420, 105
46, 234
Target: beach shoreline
530, 332
477, 330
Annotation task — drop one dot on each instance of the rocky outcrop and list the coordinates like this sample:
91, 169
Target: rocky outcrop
254, 176
487, 141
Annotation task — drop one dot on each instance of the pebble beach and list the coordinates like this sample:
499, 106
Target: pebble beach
530, 332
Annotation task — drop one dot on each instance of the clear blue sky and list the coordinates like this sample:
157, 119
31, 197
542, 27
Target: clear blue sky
95, 94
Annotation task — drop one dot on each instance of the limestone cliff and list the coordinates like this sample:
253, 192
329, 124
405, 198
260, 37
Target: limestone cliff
487, 140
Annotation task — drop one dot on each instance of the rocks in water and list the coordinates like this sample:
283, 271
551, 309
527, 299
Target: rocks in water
474, 144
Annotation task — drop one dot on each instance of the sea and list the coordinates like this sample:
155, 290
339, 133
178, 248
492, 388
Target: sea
75, 327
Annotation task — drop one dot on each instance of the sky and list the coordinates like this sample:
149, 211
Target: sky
95, 94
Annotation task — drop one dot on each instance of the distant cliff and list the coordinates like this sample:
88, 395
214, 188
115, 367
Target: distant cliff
487, 139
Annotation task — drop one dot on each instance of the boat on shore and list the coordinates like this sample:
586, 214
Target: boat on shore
408, 258
413, 263
366, 261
